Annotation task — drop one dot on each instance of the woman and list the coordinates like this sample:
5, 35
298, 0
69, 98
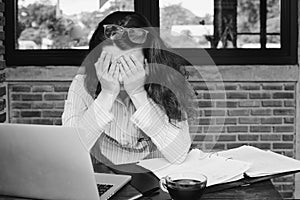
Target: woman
129, 109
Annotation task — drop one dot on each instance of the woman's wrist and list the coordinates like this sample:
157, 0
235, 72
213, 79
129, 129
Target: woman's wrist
106, 100
139, 99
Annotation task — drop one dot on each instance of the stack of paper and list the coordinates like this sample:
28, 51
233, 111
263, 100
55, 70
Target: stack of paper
217, 169
263, 162
226, 166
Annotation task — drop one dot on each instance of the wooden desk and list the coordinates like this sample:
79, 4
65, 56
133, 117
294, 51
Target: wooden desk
255, 191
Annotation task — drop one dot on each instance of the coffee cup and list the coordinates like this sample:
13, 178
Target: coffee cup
184, 185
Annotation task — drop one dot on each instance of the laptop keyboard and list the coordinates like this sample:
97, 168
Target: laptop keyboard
102, 188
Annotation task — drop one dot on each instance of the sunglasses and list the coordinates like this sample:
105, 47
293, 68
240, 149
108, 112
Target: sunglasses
135, 35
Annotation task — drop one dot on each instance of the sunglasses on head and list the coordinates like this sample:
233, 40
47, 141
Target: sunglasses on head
135, 35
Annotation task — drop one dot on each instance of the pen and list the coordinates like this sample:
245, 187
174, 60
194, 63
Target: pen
136, 197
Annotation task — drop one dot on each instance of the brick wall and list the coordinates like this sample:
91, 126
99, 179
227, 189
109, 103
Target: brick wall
261, 114
2, 67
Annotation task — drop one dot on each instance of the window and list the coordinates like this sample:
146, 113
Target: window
53, 32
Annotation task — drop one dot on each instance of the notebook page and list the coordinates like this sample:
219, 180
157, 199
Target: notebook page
263, 162
217, 169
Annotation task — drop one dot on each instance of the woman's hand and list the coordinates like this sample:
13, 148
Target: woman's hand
133, 74
108, 74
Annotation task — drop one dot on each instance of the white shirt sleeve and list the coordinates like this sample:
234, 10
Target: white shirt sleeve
173, 141
90, 119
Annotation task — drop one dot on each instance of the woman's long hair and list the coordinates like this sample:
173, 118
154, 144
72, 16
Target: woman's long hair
166, 83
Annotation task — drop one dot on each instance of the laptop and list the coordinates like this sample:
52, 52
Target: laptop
50, 162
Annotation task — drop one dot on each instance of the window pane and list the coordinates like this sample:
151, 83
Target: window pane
248, 41
248, 21
273, 41
186, 23
62, 24
273, 24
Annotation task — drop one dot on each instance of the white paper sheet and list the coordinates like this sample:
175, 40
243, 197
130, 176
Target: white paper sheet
217, 169
263, 162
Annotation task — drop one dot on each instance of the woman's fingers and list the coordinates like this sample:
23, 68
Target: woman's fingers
137, 63
106, 62
126, 68
130, 63
112, 68
122, 71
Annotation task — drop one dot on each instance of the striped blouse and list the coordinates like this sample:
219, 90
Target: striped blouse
124, 134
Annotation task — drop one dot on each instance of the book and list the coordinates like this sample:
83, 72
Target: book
217, 169
263, 163
226, 166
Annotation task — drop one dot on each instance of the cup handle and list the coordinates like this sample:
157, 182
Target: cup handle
162, 184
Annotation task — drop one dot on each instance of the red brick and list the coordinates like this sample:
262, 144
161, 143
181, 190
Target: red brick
31, 97
202, 138
52, 113
2, 91
260, 95
250, 87
20, 105
214, 95
61, 88
240, 112
248, 120
271, 87
20, 88
249, 103
58, 104
283, 146
213, 129
57, 122
205, 104
225, 138
2, 104
42, 88
42, 105
214, 112
226, 104
236, 95
260, 129
261, 112
226, 121
283, 95
284, 111
21, 121
2, 20
237, 129
288, 137
2, 75
289, 120
30, 114
248, 137
54, 97
270, 137
272, 103
42, 121
226, 87
289, 103
271, 120
283, 129
288, 178
214, 146
195, 129
15, 97
289, 87
15, 114
2, 117
205, 121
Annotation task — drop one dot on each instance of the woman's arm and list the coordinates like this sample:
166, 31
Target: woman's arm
173, 141
92, 118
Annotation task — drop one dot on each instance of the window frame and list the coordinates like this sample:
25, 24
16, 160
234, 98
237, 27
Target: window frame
287, 54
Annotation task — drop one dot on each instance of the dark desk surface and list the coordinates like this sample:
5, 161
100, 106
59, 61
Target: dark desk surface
255, 191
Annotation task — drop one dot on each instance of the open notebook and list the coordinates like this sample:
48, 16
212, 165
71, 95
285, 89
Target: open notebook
226, 166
